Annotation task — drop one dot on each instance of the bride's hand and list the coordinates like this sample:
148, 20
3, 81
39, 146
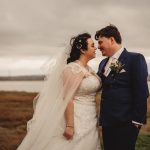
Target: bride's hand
68, 133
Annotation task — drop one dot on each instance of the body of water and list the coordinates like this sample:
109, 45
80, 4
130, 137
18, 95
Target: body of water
28, 86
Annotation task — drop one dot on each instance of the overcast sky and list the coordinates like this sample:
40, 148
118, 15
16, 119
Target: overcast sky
36, 26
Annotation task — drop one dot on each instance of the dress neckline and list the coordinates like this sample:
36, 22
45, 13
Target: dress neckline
85, 68
87, 72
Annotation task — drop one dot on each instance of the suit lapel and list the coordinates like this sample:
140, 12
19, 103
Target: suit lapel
123, 56
102, 66
121, 59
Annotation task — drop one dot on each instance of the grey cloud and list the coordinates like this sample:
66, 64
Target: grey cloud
48, 23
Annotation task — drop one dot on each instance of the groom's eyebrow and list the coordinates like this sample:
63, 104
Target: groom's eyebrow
99, 42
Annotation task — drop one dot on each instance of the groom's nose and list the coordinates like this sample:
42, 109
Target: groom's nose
98, 47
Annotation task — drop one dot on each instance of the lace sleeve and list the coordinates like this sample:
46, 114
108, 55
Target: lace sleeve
72, 77
74, 68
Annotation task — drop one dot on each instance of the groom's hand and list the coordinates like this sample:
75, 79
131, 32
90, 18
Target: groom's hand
137, 126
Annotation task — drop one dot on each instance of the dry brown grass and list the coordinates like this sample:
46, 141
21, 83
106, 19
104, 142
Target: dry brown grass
15, 111
146, 128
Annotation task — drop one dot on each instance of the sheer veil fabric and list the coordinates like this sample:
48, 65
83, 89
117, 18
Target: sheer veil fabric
48, 121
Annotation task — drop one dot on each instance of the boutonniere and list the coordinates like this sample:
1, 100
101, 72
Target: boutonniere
116, 66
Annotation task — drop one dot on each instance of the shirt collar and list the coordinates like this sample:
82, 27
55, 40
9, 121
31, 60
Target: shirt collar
118, 53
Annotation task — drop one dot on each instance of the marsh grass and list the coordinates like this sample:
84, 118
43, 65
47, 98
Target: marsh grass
16, 110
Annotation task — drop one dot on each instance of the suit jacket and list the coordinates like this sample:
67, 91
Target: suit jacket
124, 94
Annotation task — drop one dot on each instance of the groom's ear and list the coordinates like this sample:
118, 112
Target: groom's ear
112, 40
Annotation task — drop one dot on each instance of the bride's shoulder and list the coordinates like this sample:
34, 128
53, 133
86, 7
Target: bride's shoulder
73, 67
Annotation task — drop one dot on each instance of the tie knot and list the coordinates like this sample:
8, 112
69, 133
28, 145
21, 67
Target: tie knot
107, 67
110, 60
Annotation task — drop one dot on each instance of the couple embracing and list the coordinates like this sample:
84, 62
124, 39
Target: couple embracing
65, 114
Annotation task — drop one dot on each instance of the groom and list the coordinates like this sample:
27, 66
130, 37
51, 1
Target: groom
124, 91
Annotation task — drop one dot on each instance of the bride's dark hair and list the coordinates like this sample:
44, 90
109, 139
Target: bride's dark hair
77, 43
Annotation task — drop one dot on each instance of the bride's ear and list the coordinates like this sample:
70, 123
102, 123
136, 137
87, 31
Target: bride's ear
82, 51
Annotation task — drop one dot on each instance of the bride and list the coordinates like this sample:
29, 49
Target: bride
65, 112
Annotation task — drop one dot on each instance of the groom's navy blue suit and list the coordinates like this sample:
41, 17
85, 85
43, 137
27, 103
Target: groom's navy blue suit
123, 99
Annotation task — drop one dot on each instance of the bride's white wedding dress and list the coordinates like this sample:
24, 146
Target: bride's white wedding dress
86, 135
85, 118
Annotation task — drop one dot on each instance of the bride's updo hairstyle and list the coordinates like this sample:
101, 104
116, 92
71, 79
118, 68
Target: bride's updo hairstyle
77, 43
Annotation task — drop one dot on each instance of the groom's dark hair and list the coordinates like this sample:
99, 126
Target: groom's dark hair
109, 31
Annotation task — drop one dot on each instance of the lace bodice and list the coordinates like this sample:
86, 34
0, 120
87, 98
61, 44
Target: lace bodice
84, 101
89, 85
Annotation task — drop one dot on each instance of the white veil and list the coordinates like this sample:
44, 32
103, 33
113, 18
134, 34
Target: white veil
48, 118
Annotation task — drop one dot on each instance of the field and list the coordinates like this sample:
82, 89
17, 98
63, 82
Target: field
16, 109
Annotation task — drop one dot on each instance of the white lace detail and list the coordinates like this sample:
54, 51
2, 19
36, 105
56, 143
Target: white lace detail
85, 119
84, 105
75, 68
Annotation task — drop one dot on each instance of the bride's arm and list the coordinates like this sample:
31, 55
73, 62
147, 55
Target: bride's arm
69, 117
69, 114
72, 77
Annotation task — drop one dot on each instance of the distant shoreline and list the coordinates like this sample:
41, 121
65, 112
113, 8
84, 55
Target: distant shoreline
30, 78
29, 85
23, 78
